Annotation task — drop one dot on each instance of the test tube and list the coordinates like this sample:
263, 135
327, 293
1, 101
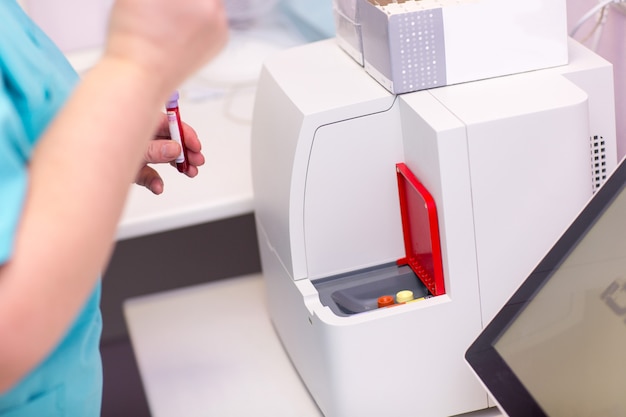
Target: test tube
176, 130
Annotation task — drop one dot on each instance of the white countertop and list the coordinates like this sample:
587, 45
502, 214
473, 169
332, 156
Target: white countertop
211, 350
217, 102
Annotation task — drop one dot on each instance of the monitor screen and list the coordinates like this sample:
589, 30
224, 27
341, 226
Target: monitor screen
558, 347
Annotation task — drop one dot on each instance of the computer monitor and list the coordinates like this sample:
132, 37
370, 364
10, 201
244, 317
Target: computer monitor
558, 346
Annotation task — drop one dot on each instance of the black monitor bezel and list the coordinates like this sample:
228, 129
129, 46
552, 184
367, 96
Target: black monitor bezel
510, 394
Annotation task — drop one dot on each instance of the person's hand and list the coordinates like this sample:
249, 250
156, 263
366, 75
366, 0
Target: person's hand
164, 150
165, 39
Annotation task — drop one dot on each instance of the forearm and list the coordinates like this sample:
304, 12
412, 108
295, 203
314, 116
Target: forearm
79, 177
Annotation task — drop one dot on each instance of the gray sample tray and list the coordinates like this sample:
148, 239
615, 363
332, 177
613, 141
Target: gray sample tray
358, 291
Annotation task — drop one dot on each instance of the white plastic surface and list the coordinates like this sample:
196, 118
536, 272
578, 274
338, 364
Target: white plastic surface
489, 38
525, 187
285, 123
351, 182
490, 153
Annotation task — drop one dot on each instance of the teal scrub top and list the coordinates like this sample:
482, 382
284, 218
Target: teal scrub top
35, 80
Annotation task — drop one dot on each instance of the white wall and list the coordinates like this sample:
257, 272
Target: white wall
611, 46
73, 24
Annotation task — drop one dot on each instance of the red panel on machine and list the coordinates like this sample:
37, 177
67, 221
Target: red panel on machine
421, 231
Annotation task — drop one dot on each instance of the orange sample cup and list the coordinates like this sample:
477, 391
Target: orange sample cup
385, 301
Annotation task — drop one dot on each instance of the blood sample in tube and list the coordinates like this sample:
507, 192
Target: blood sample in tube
176, 131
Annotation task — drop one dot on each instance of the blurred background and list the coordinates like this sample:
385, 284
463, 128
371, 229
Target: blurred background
603, 30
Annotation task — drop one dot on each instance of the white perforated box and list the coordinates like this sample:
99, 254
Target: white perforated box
412, 45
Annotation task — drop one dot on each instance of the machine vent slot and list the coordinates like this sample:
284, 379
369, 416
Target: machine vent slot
598, 162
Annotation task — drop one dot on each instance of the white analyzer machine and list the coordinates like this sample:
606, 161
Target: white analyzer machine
452, 193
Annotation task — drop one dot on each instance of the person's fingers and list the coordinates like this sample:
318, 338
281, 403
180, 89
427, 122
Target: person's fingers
192, 142
192, 171
161, 151
150, 179
195, 158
